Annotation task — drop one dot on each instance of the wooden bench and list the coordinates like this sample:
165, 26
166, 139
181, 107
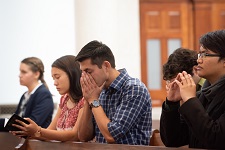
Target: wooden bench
155, 139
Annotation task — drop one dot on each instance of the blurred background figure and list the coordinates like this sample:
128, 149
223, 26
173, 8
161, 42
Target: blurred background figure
36, 103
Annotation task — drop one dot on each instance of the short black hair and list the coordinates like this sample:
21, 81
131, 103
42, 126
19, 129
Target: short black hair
97, 52
214, 41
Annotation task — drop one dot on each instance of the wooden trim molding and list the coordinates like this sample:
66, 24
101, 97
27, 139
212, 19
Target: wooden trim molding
167, 1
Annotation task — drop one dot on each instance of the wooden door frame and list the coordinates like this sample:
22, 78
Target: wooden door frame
163, 40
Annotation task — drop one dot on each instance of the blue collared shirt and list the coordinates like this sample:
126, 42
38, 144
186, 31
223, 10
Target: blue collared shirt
127, 104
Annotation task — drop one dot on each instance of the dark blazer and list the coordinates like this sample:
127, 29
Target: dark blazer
40, 107
2, 121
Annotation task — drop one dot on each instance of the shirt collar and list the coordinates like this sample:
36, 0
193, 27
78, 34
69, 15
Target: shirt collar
37, 86
118, 82
201, 82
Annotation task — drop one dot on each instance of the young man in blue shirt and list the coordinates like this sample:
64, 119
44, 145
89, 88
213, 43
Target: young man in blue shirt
120, 104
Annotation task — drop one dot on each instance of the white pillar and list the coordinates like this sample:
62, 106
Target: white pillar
116, 24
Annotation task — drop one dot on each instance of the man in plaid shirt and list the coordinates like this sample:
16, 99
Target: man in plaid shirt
120, 104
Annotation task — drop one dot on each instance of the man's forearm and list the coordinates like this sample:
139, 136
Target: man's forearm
102, 121
86, 129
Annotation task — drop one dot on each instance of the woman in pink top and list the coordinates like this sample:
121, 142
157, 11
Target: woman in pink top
66, 75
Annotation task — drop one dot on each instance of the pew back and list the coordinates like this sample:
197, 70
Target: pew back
8, 141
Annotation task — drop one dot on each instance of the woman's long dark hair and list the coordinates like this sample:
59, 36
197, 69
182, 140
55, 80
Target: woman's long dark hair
72, 68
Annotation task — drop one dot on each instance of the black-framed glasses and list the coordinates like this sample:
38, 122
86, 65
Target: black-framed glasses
203, 55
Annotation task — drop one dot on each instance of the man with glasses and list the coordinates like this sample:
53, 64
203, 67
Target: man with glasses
198, 120
204, 55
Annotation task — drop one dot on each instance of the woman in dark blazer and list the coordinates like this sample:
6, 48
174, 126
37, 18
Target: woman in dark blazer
37, 102
39, 107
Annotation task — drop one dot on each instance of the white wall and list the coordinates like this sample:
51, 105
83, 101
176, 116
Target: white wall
41, 28
49, 29
116, 24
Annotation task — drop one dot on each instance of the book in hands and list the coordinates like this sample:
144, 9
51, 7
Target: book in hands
12, 120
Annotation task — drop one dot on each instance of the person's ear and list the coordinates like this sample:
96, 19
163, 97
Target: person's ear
37, 75
106, 65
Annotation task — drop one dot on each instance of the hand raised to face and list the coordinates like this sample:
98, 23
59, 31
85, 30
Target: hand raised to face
173, 91
186, 85
90, 89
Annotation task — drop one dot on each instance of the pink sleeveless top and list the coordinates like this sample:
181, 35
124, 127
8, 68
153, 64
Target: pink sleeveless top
68, 117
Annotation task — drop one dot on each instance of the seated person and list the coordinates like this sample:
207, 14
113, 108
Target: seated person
120, 104
37, 102
64, 127
182, 60
198, 120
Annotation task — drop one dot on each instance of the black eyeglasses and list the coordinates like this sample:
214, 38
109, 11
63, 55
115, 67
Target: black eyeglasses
203, 55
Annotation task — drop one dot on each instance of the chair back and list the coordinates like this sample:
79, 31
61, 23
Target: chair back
155, 139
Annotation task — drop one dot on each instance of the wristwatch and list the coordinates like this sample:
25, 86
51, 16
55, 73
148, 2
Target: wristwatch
95, 104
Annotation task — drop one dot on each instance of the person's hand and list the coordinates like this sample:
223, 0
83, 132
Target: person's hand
187, 86
26, 129
173, 90
89, 87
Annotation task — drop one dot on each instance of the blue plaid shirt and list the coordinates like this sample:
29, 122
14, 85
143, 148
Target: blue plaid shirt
127, 104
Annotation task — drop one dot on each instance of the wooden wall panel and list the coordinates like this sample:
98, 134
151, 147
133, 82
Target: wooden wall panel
163, 21
208, 16
186, 20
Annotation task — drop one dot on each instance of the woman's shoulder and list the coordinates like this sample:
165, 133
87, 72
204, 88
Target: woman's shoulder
42, 89
42, 93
